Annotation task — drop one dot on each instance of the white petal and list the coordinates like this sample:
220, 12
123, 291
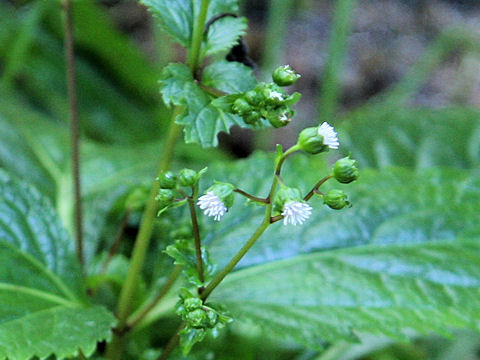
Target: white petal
329, 135
212, 205
296, 212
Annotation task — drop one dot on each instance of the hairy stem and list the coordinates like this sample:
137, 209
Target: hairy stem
196, 237
197, 37
67, 7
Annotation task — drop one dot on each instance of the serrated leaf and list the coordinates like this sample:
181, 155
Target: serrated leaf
172, 83
202, 120
392, 291
418, 138
223, 34
41, 288
177, 19
230, 77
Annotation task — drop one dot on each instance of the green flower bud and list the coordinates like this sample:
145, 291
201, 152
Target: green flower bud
280, 117
311, 142
253, 97
252, 118
187, 177
224, 191
167, 180
345, 170
241, 106
192, 303
285, 76
336, 199
212, 319
274, 96
318, 139
197, 318
165, 197
284, 195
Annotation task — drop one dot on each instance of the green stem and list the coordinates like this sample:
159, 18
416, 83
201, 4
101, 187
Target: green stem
197, 37
141, 242
241, 253
135, 319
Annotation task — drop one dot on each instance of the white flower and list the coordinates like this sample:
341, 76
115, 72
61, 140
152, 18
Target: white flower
329, 135
296, 212
284, 118
275, 95
212, 205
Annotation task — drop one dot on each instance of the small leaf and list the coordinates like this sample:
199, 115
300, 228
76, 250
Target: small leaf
172, 83
224, 33
176, 18
202, 120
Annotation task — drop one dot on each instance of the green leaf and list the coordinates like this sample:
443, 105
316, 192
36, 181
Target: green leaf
230, 77
202, 120
223, 34
177, 19
403, 259
417, 138
172, 83
335, 295
41, 287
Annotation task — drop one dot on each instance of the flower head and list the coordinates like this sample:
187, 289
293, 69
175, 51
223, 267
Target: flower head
212, 205
329, 135
276, 95
296, 212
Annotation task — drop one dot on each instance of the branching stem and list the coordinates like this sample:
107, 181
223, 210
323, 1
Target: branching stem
251, 197
196, 237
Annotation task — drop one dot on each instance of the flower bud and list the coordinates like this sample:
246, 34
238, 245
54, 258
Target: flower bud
212, 319
165, 197
311, 142
167, 180
336, 199
252, 118
196, 318
253, 97
192, 303
345, 170
285, 76
241, 106
224, 191
318, 139
284, 195
187, 177
280, 117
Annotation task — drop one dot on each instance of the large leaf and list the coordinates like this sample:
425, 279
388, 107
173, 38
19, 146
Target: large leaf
417, 138
44, 308
393, 264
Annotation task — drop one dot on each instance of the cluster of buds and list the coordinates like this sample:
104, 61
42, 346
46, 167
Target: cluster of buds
199, 315
269, 101
171, 184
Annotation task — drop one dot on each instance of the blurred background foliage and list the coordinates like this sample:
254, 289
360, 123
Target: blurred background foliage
399, 78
